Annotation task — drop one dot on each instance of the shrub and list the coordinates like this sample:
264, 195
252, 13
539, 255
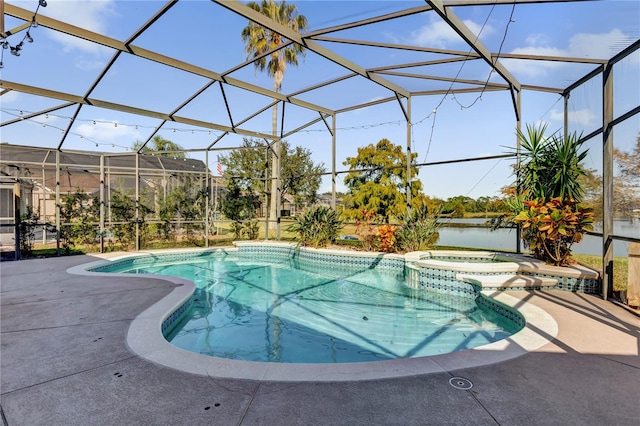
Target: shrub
240, 208
387, 238
79, 214
419, 230
123, 211
318, 226
28, 223
366, 230
549, 229
251, 230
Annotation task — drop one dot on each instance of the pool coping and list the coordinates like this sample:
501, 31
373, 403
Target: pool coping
145, 339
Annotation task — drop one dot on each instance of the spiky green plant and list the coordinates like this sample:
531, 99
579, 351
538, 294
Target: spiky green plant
550, 166
419, 229
318, 227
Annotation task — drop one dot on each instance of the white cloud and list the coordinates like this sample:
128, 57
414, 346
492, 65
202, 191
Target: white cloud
581, 117
581, 45
91, 15
88, 65
105, 130
439, 34
597, 45
556, 115
9, 96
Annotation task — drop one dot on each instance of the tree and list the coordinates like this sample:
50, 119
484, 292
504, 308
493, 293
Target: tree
458, 205
258, 42
239, 206
301, 178
160, 146
626, 196
247, 167
377, 181
629, 162
625, 185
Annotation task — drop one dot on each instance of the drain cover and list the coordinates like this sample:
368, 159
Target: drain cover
460, 383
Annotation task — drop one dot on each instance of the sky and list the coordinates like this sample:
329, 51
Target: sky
444, 128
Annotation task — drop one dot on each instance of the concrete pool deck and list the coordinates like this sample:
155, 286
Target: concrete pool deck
64, 360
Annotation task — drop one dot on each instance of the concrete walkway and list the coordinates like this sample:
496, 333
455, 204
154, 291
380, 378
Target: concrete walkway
65, 361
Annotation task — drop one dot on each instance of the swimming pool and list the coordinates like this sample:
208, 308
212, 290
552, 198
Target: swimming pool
146, 339
288, 309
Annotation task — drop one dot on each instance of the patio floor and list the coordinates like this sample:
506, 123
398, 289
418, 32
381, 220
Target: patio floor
65, 361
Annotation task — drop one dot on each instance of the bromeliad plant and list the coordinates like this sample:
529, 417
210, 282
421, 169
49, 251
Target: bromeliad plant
317, 227
549, 229
419, 230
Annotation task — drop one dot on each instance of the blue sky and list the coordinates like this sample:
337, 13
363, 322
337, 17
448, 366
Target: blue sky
207, 35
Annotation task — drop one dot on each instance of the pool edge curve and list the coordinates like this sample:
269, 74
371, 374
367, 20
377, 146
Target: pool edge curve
145, 339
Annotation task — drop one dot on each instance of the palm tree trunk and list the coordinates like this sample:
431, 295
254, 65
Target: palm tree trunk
275, 170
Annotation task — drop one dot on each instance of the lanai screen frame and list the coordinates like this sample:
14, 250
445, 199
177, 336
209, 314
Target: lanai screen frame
397, 94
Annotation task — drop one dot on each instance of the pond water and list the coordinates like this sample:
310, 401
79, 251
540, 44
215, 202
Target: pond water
505, 239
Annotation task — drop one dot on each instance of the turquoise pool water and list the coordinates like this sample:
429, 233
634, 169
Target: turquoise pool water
277, 312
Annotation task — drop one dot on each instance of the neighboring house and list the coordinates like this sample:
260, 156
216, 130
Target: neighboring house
34, 170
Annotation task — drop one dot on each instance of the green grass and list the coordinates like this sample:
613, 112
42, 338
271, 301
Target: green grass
52, 252
620, 264
620, 268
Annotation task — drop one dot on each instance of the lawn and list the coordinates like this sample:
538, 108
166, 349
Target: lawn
225, 237
620, 268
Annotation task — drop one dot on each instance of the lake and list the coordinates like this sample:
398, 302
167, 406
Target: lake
505, 239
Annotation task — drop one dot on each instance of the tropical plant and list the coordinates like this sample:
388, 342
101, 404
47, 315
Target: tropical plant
318, 227
273, 52
161, 147
419, 230
189, 206
550, 167
387, 238
550, 187
365, 229
549, 229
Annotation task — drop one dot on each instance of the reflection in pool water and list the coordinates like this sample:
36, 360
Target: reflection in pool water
277, 312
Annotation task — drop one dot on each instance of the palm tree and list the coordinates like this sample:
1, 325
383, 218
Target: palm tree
160, 146
260, 40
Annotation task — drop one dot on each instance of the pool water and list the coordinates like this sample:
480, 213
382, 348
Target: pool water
277, 312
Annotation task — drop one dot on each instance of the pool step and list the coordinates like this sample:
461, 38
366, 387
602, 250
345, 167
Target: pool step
508, 281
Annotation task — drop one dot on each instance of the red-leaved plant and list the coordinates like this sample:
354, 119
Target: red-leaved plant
549, 229
366, 230
387, 241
